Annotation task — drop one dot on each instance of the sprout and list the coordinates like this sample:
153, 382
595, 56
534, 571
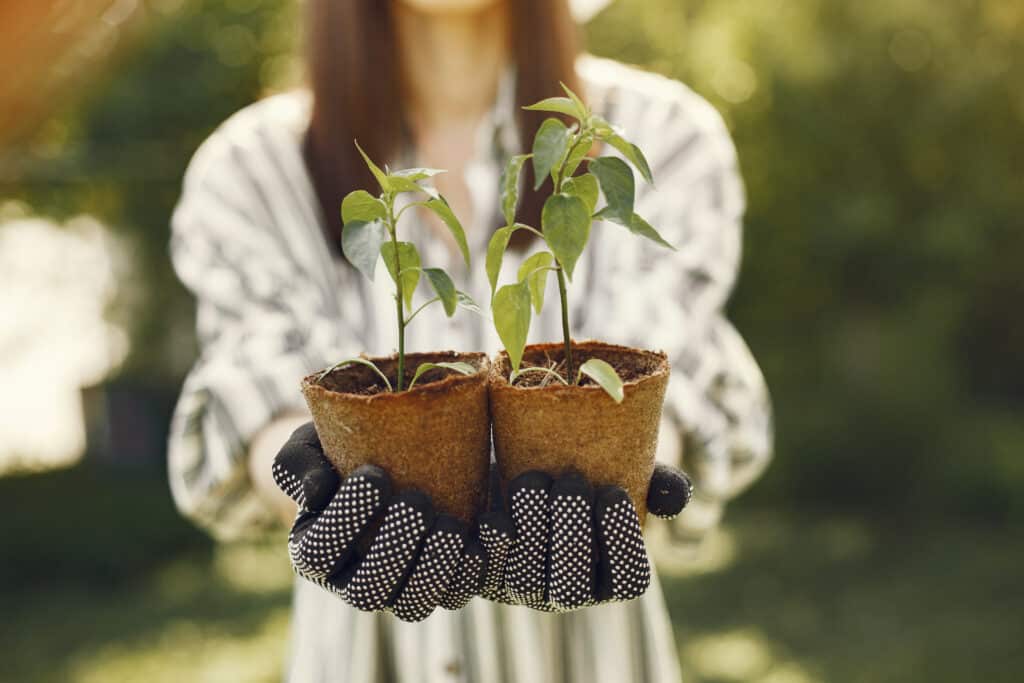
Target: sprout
558, 152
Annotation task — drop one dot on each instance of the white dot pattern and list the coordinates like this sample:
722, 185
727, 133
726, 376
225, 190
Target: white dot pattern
441, 554
331, 537
496, 544
623, 541
525, 570
393, 549
571, 579
559, 571
466, 582
289, 483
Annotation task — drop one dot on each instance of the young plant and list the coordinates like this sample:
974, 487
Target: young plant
370, 231
558, 152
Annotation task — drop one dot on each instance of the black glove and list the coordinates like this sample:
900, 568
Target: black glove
561, 545
376, 550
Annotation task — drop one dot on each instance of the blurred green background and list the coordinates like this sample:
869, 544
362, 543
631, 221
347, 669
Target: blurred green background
883, 147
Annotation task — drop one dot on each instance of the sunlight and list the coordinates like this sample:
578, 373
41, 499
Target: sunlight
58, 282
741, 655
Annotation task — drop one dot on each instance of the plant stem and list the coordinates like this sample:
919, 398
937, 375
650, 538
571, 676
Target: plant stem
399, 306
399, 300
565, 321
422, 306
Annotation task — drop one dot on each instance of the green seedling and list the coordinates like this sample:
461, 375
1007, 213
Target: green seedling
370, 231
559, 151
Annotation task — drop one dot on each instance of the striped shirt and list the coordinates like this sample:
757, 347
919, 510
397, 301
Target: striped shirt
273, 305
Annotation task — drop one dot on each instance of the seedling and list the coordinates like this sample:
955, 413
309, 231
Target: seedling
370, 231
558, 152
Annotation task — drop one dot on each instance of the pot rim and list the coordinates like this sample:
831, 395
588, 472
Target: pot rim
498, 380
437, 387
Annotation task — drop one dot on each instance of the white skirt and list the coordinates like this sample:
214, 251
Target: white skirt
484, 642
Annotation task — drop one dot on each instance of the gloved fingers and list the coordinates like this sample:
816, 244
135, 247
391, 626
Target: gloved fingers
301, 470
325, 544
670, 491
526, 569
623, 570
380, 575
435, 567
496, 534
303, 521
495, 499
573, 549
468, 579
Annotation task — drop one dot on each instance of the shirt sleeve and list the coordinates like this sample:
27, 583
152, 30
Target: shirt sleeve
262, 326
717, 422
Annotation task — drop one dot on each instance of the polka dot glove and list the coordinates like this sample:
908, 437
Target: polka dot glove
377, 550
560, 544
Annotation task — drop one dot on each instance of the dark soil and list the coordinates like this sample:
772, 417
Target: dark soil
362, 381
629, 366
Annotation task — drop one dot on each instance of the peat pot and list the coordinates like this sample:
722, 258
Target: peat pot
434, 437
540, 424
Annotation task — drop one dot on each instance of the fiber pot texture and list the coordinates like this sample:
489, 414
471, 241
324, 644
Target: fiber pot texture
435, 437
557, 428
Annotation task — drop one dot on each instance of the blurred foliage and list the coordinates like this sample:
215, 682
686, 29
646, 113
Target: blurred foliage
89, 524
119, 151
881, 290
880, 142
844, 600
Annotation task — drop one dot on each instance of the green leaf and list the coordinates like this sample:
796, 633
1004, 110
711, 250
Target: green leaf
584, 187
616, 179
638, 226
464, 368
466, 302
510, 187
576, 154
566, 224
633, 153
381, 176
496, 253
397, 183
360, 361
583, 112
559, 105
361, 243
417, 174
605, 375
602, 129
613, 136
534, 272
445, 289
549, 147
511, 307
360, 205
407, 264
439, 206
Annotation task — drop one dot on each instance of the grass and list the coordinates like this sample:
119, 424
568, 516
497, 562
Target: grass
197, 618
802, 599
773, 598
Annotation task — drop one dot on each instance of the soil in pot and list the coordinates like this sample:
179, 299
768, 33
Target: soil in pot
434, 437
541, 424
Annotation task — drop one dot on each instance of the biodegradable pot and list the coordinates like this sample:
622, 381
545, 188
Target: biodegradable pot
434, 437
556, 428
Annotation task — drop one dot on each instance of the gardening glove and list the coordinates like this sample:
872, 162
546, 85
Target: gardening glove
561, 544
377, 550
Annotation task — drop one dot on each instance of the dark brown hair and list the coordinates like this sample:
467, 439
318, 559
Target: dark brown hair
353, 73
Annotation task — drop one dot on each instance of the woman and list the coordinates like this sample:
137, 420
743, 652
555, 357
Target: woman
255, 236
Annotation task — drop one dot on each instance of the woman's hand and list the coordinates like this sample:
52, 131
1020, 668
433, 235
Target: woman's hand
416, 560
561, 544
